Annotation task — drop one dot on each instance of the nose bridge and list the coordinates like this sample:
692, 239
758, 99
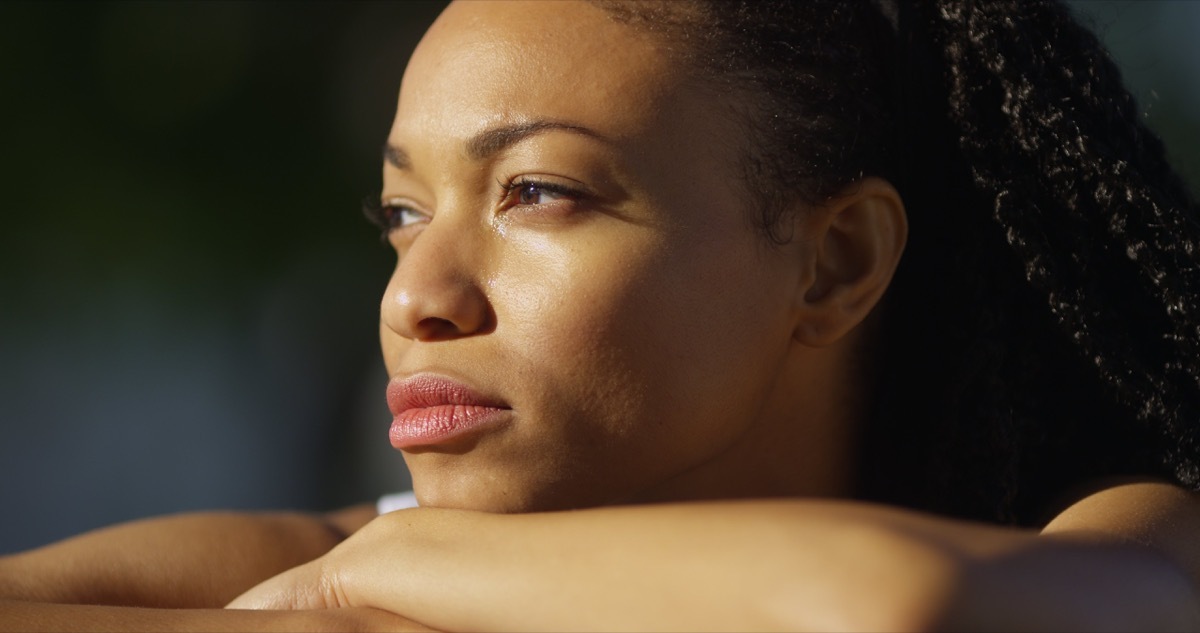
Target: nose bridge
436, 291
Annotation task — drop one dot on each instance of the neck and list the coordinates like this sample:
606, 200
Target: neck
801, 444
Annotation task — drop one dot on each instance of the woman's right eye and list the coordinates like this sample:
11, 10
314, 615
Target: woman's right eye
391, 217
400, 216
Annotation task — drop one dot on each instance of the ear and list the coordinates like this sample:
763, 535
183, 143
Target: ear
856, 240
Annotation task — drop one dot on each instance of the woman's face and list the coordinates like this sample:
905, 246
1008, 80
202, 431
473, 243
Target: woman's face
577, 258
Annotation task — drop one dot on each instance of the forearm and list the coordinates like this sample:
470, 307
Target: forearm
783, 566
30, 616
737, 566
191, 560
732, 566
605, 570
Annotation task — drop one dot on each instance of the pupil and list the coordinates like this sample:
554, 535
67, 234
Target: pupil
529, 194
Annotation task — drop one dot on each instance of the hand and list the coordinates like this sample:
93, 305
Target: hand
323, 583
309, 586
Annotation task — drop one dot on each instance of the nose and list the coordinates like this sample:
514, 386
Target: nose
435, 292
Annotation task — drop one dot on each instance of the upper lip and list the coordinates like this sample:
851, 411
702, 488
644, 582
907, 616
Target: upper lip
423, 390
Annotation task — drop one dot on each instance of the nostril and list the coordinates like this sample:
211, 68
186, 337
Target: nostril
437, 329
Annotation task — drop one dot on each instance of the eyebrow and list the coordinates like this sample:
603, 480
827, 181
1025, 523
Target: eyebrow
490, 141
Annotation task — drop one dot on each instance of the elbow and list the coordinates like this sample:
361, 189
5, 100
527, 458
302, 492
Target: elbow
893, 571
1048, 585
885, 576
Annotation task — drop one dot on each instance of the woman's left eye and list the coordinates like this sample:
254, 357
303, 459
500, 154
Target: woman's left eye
530, 193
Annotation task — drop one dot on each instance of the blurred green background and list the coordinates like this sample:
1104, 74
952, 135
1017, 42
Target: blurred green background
188, 291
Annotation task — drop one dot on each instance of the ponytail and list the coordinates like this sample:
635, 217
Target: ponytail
1106, 231
1043, 328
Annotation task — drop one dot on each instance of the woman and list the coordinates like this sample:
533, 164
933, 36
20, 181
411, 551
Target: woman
843, 275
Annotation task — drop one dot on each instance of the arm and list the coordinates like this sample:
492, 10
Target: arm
181, 561
765, 565
188, 560
62, 618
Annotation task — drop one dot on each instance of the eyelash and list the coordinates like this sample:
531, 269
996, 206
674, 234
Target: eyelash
517, 186
384, 215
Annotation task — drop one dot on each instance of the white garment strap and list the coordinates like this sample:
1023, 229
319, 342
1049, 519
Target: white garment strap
396, 501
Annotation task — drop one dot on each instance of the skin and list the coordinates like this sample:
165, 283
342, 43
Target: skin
31, 616
148, 562
747, 352
650, 342
654, 350
1115, 561
175, 572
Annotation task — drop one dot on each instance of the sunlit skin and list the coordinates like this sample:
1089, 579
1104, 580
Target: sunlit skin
575, 240
642, 329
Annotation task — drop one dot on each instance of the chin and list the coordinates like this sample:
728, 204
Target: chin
499, 494
481, 494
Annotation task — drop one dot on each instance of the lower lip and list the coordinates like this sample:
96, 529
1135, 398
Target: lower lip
441, 424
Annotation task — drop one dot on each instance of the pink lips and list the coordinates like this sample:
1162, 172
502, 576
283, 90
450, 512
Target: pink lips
429, 410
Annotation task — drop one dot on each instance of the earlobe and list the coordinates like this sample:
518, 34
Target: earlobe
857, 239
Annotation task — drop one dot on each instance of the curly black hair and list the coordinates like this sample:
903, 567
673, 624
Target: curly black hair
1043, 329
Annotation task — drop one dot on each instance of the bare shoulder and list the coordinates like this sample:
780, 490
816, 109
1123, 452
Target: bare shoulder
1143, 512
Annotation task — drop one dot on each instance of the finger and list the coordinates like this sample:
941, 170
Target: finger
303, 587
366, 619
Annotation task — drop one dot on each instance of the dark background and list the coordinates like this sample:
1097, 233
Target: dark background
188, 291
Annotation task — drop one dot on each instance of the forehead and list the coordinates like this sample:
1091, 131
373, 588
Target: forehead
488, 62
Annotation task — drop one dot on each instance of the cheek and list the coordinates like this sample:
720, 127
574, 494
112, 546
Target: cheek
571, 310
638, 336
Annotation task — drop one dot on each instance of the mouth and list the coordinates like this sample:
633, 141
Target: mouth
430, 410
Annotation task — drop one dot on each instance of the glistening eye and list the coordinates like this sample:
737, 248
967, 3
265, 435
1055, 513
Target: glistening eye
528, 192
391, 216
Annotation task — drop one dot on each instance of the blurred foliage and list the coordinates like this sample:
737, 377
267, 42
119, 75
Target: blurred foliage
197, 145
1154, 42
188, 290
